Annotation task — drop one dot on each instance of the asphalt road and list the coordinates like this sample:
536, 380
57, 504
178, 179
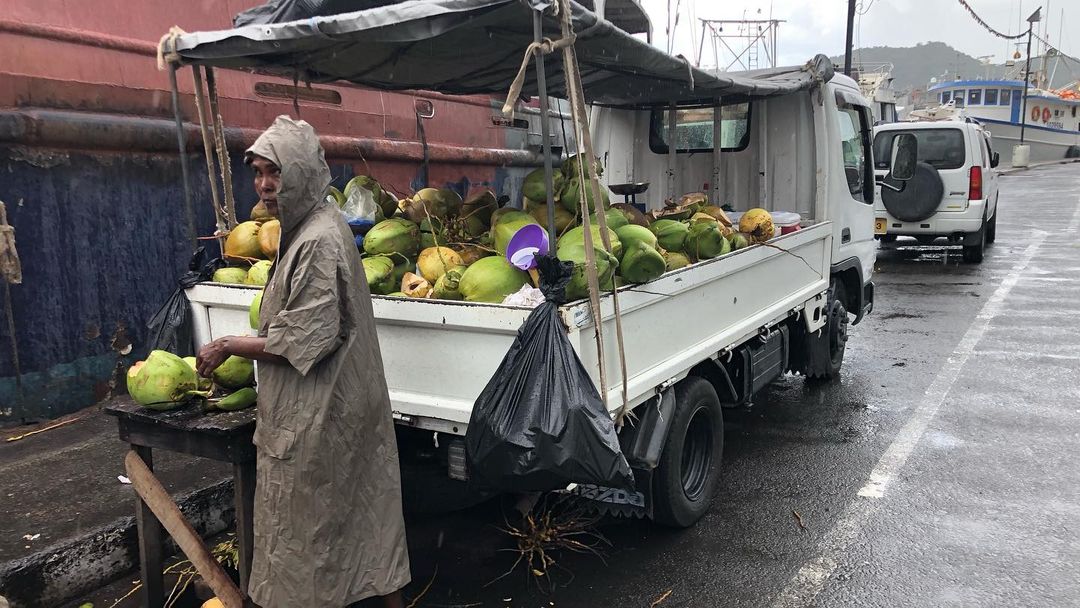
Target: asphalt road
939, 470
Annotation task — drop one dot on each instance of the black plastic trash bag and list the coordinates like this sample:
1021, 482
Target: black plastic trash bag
170, 327
540, 424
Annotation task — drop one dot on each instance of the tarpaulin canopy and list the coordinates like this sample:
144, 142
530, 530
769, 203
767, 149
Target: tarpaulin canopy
476, 47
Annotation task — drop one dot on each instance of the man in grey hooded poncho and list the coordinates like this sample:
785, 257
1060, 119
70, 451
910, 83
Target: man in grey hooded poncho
328, 521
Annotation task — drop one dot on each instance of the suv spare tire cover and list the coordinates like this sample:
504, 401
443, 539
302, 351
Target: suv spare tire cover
921, 196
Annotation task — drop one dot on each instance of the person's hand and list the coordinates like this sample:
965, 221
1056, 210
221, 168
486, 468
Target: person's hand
212, 355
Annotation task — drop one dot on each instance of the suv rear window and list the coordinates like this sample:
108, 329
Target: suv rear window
941, 148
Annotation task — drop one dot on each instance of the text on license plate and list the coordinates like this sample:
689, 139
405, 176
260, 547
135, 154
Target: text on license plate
879, 226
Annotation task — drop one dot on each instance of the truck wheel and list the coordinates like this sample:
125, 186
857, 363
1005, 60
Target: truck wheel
825, 352
689, 468
973, 254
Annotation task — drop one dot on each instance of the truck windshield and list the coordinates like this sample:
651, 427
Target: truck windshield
941, 148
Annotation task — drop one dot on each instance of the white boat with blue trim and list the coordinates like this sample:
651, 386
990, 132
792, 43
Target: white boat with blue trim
1051, 124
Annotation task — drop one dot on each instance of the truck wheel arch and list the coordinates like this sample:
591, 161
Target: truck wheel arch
849, 273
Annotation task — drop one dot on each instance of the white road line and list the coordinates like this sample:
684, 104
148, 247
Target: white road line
1024, 355
811, 577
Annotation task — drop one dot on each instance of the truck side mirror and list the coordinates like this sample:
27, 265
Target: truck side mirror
995, 158
905, 152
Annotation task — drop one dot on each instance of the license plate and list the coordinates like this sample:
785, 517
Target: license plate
880, 226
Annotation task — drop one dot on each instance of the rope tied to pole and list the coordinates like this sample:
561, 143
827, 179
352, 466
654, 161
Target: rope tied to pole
547, 47
166, 48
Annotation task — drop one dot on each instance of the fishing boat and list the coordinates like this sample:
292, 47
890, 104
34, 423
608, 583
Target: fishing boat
1051, 123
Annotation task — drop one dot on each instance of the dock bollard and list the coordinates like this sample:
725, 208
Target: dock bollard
1021, 156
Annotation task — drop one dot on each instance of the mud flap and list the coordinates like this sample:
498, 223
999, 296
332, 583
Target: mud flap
643, 446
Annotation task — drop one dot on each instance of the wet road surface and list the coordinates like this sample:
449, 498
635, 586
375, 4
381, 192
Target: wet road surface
940, 470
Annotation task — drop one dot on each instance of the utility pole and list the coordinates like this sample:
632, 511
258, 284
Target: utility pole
850, 34
1032, 20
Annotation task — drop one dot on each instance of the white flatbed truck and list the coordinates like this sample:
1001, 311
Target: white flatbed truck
698, 339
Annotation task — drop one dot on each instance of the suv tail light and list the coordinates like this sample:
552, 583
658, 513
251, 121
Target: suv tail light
975, 184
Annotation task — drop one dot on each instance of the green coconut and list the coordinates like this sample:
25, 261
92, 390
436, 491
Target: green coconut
674, 260
431, 202
578, 287
230, 274
335, 196
670, 234
235, 372
205, 384
738, 240
576, 236
564, 220
705, 241
570, 167
491, 279
243, 241
534, 189
479, 207
432, 233
615, 219
641, 263
379, 271
163, 381
395, 235
253, 311
386, 201
448, 285
632, 233
508, 225
259, 273
632, 214
570, 196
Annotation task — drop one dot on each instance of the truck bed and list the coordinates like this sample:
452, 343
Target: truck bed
439, 355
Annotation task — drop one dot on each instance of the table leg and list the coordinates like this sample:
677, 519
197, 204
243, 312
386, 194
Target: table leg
151, 544
244, 488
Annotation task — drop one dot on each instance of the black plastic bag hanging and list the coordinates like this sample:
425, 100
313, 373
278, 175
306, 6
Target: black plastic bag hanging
540, 424
171, 326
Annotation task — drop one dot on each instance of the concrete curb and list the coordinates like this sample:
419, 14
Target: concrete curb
1045, 163
64, 572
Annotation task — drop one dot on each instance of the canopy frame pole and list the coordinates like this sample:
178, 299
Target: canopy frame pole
181, 143
717, 151
545, 129
673, 152
763, 156
208, 148
222, 148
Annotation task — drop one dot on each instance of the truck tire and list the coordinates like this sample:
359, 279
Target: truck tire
920, 197
825, 352
689, 469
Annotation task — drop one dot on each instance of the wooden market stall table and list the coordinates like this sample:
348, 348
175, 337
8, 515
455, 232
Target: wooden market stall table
222, 436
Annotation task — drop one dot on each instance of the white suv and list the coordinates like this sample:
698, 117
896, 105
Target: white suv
954, 192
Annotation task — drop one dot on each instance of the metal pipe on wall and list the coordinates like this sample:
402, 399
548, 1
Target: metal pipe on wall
181, 142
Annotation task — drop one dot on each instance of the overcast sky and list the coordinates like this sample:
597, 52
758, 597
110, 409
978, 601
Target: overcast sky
818, 26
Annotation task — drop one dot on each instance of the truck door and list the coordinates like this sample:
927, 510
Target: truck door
856, 210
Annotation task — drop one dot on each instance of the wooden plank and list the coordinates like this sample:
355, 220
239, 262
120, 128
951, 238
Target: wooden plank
234, 448
158, 500
244, 488
151, 544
